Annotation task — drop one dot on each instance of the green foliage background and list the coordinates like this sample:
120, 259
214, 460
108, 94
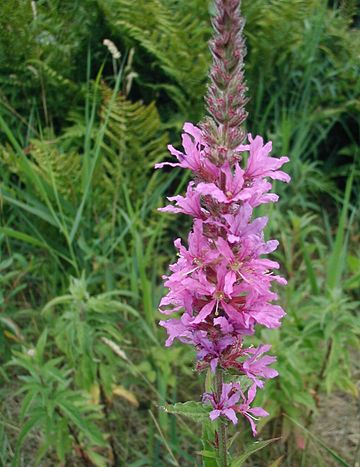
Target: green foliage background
83, 248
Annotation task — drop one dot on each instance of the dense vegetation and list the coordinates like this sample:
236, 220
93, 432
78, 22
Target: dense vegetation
83, 369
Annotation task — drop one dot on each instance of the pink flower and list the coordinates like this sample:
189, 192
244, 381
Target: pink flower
195, 157
260, 164
199, 254
190, 204
250, 412
192, 157
176, 329
257, 366
232, 190
239, 225
228, 404
211, 349
219, 289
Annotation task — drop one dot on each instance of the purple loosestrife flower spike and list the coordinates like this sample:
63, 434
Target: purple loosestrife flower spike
220, 288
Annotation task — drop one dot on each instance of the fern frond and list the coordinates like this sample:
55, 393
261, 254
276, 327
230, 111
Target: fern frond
53, 74
49, 163
134, 141
64, 168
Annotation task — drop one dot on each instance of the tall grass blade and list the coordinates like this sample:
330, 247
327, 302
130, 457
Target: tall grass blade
336, 260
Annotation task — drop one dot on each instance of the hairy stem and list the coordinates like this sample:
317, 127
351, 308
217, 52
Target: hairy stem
222, 441
320, 379
106, 412
80, 451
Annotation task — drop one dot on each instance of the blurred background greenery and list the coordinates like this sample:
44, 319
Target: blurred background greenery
83, 367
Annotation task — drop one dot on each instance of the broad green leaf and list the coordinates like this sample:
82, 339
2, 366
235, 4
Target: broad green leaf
194, 410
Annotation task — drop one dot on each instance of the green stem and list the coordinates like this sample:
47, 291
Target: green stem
320, 378
222, 442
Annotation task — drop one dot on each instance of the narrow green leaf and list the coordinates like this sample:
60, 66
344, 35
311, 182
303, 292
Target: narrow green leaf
22, 236
40, 346
41, 213
43, 449
97, 459
353, 282
336, 260
28, 426
309, 266
91, 165
63, 439
30, 396
57, 301
88, 429
208, 454
257, 446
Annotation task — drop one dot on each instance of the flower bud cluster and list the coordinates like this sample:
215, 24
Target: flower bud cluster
226, 91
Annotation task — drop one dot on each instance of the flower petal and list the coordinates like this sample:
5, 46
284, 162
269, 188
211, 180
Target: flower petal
214, 414
231, 415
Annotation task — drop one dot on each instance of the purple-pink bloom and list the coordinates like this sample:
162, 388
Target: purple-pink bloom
260, 164
194, 157
226, 405
190, 204
258, 365
233, 187
211, 349
250, 412
220, 287
199, 254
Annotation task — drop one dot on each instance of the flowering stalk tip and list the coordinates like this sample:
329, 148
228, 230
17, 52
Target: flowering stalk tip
225, 97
